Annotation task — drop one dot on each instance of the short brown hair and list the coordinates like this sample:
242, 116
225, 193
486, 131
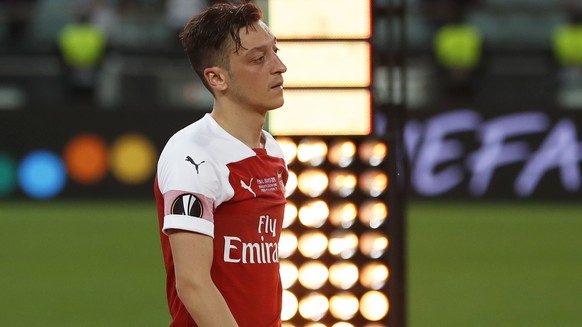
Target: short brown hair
208, 37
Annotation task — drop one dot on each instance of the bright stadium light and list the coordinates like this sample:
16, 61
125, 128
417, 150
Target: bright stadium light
290, 214
343, 324
323, 112
342, 152
291, 184
313, 275
343, 214
373, 182
318, 21
290, 306
335, 240
288, 244
289, 273
373, 213
344, 305
343, 265
312, 244
315, 324
373, 244
338, 64
314, 213
342, 182
343, 244
374, 305
289, 149
374, 275
312, 151
313, 306
373, 152
312, 182
338, 248
343, 275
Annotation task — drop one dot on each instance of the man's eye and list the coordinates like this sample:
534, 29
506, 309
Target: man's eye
261, 58
276, 50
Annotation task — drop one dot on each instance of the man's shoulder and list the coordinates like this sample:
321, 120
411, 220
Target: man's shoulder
194, 135
200, 126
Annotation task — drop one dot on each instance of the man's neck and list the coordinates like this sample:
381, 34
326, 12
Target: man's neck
246, 126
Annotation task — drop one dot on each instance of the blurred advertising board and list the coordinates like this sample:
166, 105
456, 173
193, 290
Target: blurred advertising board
469, 154
460, 153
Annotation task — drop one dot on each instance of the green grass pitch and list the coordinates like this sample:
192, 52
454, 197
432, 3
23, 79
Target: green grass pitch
495, 264
85, 264
71, 263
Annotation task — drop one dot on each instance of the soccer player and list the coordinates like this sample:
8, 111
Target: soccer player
220, 183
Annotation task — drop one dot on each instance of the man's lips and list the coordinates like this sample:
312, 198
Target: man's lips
277, 86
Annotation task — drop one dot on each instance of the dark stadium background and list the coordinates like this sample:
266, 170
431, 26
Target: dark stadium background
502, 255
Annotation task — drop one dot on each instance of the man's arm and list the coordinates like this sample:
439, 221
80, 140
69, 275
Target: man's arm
192, 262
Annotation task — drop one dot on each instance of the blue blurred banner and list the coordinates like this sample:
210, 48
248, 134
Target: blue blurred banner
469, 154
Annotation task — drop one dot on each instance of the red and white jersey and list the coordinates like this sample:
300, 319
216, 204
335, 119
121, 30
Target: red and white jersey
211, 183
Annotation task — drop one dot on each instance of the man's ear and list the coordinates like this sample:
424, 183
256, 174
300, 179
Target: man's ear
216, 78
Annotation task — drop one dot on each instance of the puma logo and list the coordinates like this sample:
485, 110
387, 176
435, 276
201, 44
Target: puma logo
196, 165
248, 187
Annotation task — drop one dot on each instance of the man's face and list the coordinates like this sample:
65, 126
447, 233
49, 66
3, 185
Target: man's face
256, 72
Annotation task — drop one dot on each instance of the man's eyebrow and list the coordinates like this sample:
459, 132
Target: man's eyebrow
262, 47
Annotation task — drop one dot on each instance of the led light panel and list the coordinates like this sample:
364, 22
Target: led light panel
326, 63
335, 268
344, 19
323, 112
